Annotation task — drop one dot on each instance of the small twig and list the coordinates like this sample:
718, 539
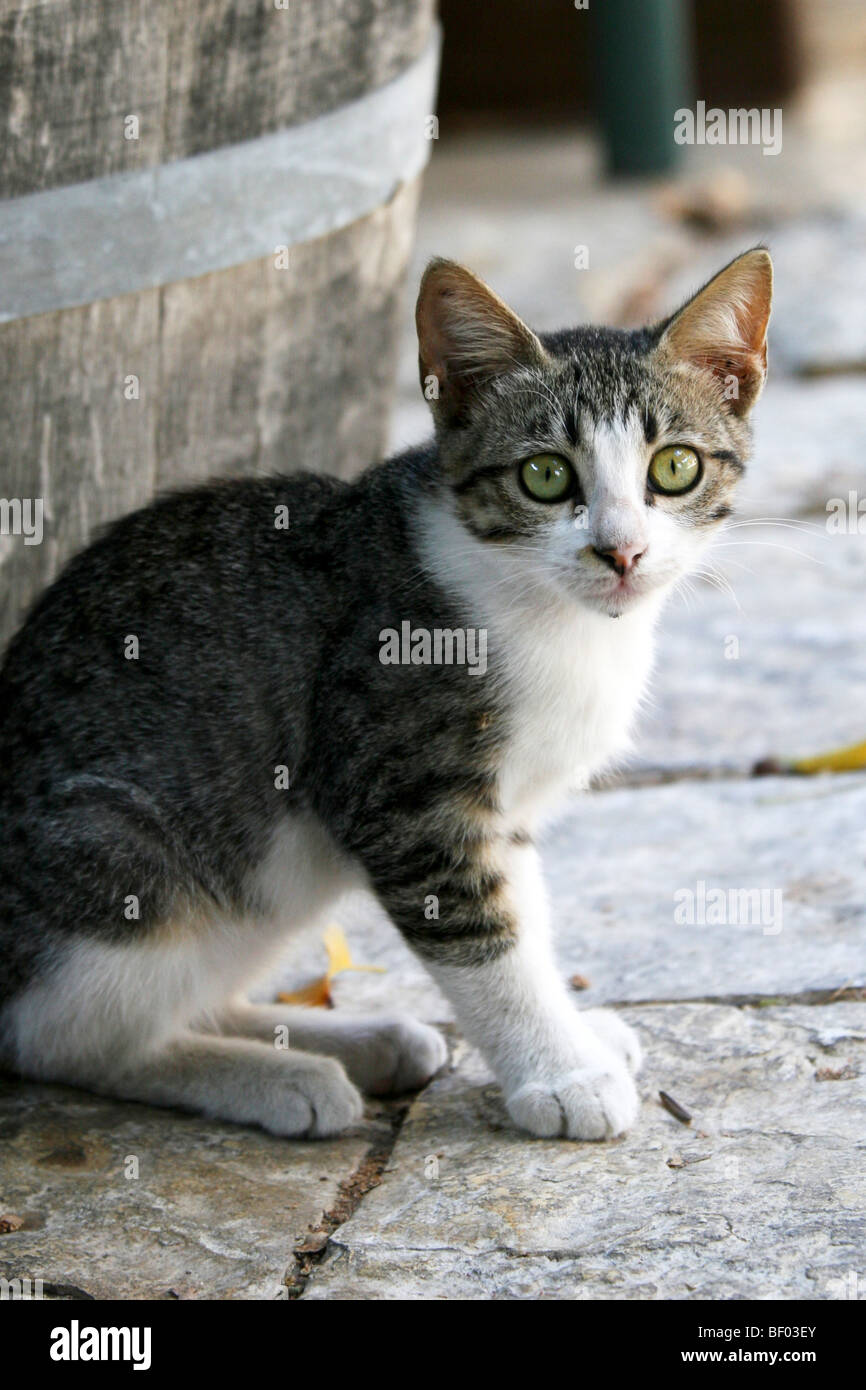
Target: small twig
674, 1108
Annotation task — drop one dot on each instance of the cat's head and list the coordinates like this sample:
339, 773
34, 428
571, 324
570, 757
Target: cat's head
595, 462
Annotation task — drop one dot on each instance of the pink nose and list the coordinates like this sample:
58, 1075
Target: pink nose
623, 558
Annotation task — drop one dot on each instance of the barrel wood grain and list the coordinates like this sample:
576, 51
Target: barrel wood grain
252, 369
198, 74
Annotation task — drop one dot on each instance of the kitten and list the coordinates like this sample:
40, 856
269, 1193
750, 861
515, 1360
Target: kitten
206, 735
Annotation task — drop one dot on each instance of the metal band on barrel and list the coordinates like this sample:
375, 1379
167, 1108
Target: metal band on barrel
135, 231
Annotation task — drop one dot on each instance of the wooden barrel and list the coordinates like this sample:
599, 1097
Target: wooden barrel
207, 212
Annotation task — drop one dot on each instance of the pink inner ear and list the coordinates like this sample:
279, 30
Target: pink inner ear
465, 333
725, 324
432, 348
752, 319
743, 365
747, 367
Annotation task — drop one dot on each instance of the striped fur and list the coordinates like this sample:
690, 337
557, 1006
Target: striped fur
168, 817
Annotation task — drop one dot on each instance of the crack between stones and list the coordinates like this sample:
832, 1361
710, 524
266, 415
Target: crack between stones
844, 994
635, 778
584, 1253
661, 776
350, 1194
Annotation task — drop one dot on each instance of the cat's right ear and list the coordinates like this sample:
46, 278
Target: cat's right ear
466, 336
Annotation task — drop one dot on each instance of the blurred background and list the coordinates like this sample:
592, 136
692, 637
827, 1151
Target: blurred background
553, 139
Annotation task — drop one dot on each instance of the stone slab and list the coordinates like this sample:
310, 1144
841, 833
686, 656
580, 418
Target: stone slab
810, 447
776, 667
761, 1196
214, 1212
620, 866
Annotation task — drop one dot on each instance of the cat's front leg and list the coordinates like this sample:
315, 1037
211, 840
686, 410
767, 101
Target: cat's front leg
563, 1074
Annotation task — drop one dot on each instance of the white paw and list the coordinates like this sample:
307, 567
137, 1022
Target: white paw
591, 1102
315, 1099
616, 1035
395, 1053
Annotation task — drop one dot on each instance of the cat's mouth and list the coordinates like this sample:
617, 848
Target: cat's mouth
619, 593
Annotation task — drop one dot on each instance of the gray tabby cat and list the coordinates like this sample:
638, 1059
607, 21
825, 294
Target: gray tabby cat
205, 739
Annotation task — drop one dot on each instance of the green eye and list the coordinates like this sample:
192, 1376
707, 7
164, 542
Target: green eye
674, 469
547, 477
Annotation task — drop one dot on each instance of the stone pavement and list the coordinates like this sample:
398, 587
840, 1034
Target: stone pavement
725, 914
761, 1196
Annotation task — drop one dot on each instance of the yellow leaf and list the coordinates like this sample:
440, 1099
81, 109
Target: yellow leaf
838, 760
339, 955
317, 994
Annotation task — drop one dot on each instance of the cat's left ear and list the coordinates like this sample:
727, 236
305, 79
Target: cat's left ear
466, 336
723, 328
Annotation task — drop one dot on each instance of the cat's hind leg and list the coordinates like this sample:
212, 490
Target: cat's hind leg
289, 1093
383, 1054
110, 971
113, 1019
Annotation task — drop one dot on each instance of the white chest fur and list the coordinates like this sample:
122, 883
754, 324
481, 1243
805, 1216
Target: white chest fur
573, 677
574, 681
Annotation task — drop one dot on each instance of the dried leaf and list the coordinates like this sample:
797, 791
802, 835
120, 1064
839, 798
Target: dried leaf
312, 1243
714, 204
851, 759
317, 994
339, 955
579, 982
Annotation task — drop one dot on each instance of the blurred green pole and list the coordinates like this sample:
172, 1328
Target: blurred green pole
643, 49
